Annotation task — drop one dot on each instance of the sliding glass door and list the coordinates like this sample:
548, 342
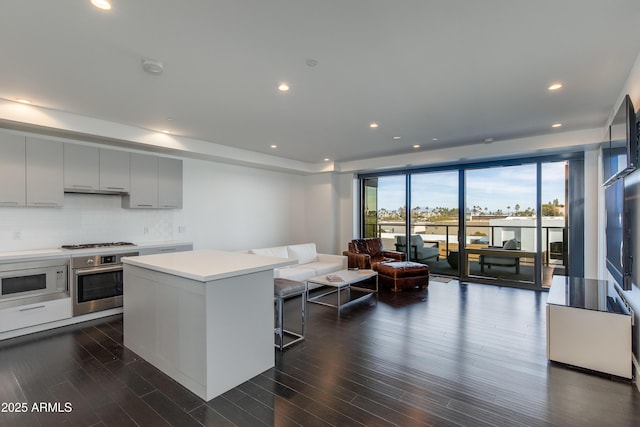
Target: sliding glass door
433, 221
370, 207
385, 209
555, 224
501, 223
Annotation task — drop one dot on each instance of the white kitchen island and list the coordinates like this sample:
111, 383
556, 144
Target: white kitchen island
205, 317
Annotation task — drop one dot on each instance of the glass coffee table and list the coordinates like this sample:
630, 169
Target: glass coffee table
343, 282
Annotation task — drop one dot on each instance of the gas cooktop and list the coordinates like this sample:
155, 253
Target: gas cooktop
97, 245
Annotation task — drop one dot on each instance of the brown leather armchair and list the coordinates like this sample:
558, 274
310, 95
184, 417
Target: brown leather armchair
367, 253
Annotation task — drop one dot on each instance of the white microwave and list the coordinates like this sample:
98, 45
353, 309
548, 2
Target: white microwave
32, 279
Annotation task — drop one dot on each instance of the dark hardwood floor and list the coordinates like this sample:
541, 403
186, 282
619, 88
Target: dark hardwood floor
454, 354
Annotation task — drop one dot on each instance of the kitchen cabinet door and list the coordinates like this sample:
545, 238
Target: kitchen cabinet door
81, 168
12, 170
45, 177
169, 183
144, 182
114, 170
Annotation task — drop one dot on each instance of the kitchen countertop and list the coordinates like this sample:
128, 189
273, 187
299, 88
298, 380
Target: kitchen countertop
207, 265
52, 253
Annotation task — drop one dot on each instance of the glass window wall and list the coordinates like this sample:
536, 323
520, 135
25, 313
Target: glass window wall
477, 221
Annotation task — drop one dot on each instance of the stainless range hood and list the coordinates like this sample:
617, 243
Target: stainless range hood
88, 190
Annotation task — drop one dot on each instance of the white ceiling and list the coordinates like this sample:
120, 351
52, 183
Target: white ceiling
460, 71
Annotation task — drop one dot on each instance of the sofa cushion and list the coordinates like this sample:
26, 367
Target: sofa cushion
322, 267
304, 253
298, 273
276, 252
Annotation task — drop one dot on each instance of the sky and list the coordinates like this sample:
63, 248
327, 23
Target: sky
494, 188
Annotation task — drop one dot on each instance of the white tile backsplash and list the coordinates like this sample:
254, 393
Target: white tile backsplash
84, 218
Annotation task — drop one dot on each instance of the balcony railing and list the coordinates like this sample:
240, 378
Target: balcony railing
553, 238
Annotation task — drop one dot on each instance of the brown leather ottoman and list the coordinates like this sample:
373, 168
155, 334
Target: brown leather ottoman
403, 275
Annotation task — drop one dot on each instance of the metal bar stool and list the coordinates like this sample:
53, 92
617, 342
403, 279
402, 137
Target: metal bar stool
283, 289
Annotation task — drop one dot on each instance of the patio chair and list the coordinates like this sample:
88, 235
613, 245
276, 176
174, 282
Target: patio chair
421, 251
501, 261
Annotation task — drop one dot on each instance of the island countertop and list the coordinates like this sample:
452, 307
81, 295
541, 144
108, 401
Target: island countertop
207, 264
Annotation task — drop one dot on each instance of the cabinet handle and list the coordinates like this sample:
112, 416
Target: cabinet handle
33, 308
169, 206
8, 203
115, 188
81, 186
44, 204
167, 250
145, 206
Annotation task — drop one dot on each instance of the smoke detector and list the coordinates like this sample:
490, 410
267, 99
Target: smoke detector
152, 66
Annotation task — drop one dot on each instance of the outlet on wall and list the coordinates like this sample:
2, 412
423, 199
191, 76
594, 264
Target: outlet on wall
17, 235
146, 230
182, 229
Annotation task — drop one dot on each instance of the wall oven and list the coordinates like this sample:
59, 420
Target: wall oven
97, 282
33, 281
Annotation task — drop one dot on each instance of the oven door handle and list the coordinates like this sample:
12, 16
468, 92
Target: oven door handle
93, 270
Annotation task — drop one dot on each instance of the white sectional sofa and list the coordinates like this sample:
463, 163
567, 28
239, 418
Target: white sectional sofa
310, 262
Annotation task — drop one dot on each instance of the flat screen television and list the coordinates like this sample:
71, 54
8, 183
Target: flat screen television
617, 247
620, 155
632, 227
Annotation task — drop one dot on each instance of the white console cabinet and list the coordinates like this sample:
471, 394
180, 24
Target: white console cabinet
589, 326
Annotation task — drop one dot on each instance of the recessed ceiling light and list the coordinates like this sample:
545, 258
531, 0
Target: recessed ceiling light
434, 139
555, 86
396, 138
170, 119
23, 101
273, 146
283, 87
167, 131
556, 125
373, 125
416, 145
101, 4
326, 159
487, 140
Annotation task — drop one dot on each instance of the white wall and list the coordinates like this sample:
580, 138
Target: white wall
348, 209
320, 211
235, 207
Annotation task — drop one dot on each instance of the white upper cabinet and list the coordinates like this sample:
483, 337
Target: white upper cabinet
114, 170
81, 168
156, 182
144, 182
12, 170
44, 172
169, 183
37, 172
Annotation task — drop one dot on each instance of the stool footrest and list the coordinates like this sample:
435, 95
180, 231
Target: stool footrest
286, 289
298, 337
